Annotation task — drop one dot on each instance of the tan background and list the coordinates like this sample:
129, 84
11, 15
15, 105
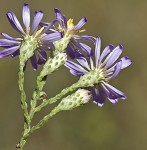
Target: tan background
114, 127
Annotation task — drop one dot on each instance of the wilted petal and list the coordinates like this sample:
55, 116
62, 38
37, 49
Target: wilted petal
38, 15
26, 16
8, 51
80, 24
14, 22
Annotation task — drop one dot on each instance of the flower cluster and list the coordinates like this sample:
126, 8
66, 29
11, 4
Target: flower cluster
12, 45
60, 36
105, 64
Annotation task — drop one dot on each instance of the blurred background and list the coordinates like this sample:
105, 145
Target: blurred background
114, 127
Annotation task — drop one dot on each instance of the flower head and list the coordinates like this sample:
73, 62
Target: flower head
70, 34
107, 67
12, 45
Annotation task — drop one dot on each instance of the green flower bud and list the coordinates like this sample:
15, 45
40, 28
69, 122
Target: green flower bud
81, 96
61, 44
52, 64
28, 47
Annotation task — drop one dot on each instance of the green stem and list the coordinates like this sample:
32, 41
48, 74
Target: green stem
26, 52
87, 80
26, 134
22, 91
58, 96
51, 65
45, 119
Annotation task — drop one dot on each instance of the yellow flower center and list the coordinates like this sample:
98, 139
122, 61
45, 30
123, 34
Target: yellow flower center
38, 32
70, 24
70, 27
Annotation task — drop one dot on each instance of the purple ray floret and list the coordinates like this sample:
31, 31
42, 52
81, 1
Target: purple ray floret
108, 64
12, 45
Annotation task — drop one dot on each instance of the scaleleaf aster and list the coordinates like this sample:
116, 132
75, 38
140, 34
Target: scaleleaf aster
107, 64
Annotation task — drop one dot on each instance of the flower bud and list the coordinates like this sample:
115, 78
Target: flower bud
52, 64
81, 96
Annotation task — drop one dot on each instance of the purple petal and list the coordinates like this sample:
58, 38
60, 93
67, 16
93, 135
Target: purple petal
8, 51
76, 73
10, 37
70, 51
113, 56
52, 37
16, 53
34, 62
42, 57
91, 63
72, 65
80, 24
117, 69
61, 18
26, 16
84, 47
48, 26
58, 14
98, 95
81, 59
46, 46
14, 22
38, 15
126, 61
84, 37
44, 24
97, 51
105, 52
8, 43
114, 93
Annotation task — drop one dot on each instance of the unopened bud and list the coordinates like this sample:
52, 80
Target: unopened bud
81, 96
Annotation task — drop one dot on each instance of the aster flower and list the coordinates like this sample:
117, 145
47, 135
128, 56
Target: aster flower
12, 45
70, 32
107, 65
